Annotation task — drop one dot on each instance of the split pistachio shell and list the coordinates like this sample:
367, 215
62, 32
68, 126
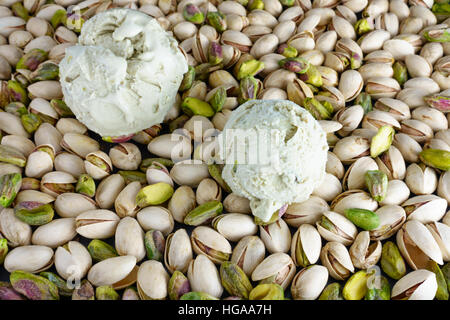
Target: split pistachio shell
204, 276
125, 156
391, 218
16, 231
335, 227
125, 203
441, 233
308, 211
97, 224
277, 268
306, 245
118, 272
32, 258
55, 233
248, 253
79, 144
417, 285
417, 245
152, 281
309, 283
129, 238
336, 258
207, 241
425, 208
108, 190
346, 200
364, 254
178, 251
72, 260
276, 236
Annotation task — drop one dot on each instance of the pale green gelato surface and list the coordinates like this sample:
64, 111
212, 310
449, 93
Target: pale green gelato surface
274, 152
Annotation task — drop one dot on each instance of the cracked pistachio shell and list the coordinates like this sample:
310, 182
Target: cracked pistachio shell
443, 189
182, 202
336, 258
421, 179
333, 291
335, 227
416, 285
152, 281
72, 260
204, 276
417, 245
118, 272
57, 182
391, 219
100, 250
98, 164
425, 208
235, 226
277, 268
125, 156
276, 236
129, 238
39, 163
178, 251
208, 241
108, 190
55, 233
346, 200
178, 285
97, 224
350, 148
79, 144
354, 178
308, 211
157, 172
364, 254
125, 203
392, 163
309, 282
33, 287
306, 245
70, 205
234, 280
248, 253
29, 258
441, 233
18, 233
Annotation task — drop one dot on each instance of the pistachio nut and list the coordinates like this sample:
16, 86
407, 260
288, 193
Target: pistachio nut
204, 276
442, 291
277, 268
132, 176
204, 213
32, 286
72, 260
392, 262
182, 202
178, 251
347, 199
17, 233
356, 286
152, 281
118, 272
207, 241
415, 237
333, 291
306, 245
425, 208
85, 185
378, 288
79, 144
391, 218
63, 288
335, 227
84, 292
10, 185
234, 280
154, 244
308, 211
98, 164
11, 155
392, 163
100, 250
97, 224
416, 285
441, 232
309, 282
154, 194
70, 205
106, 293
129, 238
34, 213
267, 291
55, 233
248, 253
157, 218
377, 183
125, 203
178, 286
57, 182
29, 258
336, 259
364, 254
363, 218
435, 158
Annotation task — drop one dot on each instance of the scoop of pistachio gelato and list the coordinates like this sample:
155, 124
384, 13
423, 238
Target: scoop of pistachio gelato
124, 73
274, 153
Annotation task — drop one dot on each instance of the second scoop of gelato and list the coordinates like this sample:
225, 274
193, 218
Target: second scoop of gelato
124, 74
274, 152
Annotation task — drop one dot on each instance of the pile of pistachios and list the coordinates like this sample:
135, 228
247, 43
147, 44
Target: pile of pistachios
123, 218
